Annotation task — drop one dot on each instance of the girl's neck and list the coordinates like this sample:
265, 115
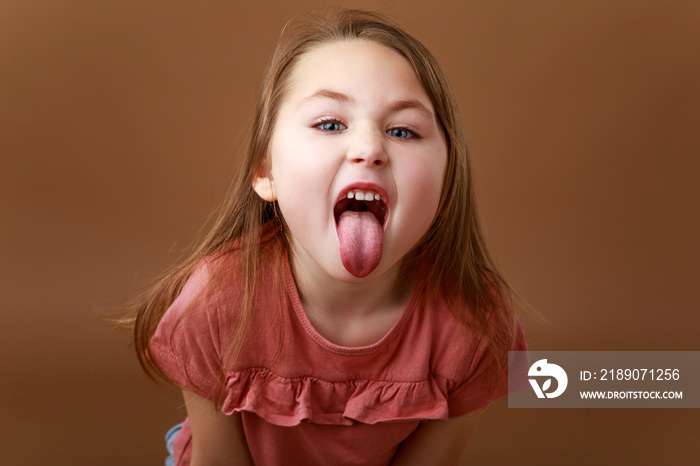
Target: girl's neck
351, 314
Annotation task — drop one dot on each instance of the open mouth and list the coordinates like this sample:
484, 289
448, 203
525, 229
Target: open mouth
359, 220
357, 200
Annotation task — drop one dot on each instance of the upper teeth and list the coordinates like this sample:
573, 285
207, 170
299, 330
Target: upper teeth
363, 195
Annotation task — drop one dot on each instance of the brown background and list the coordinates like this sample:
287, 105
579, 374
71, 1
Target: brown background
120, 124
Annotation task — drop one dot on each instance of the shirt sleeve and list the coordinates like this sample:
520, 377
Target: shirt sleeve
186, 346
487, 378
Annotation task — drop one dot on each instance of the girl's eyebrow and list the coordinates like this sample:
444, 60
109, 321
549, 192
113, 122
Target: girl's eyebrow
395, 106
339, 96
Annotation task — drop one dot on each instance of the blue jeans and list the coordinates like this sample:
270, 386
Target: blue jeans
169, 439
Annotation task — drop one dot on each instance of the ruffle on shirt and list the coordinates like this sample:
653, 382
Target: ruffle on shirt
289, 401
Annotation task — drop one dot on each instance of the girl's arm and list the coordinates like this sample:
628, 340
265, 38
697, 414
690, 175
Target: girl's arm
437, 442
217, 439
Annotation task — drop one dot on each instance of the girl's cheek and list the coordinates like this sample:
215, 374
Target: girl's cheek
425, 188
427, 176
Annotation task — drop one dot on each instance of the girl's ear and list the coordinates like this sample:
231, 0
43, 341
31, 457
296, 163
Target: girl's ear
265, 188
263, 184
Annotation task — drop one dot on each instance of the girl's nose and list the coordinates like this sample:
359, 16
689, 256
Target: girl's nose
367, 147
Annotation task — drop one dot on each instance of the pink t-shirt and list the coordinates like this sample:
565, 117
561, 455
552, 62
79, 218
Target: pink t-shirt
312, 402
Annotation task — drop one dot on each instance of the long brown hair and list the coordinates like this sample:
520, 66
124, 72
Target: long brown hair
453, 242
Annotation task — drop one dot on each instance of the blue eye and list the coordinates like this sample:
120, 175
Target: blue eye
330, 126
401, 133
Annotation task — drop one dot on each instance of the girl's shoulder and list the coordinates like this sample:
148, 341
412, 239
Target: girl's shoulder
212, 297
213, 281
218, 280
462, 328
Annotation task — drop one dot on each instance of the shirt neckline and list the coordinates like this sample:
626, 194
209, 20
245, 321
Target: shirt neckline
293, 294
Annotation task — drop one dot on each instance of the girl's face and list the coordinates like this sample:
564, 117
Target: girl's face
355, 123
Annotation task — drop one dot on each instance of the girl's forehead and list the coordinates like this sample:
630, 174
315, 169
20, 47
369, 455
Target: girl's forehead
329, 57
343, 47
355, 67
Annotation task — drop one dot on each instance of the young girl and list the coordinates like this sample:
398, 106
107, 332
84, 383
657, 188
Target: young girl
344, 309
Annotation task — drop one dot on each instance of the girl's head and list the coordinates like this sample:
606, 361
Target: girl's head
326, 65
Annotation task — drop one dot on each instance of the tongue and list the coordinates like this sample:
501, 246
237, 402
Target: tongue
361, 237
